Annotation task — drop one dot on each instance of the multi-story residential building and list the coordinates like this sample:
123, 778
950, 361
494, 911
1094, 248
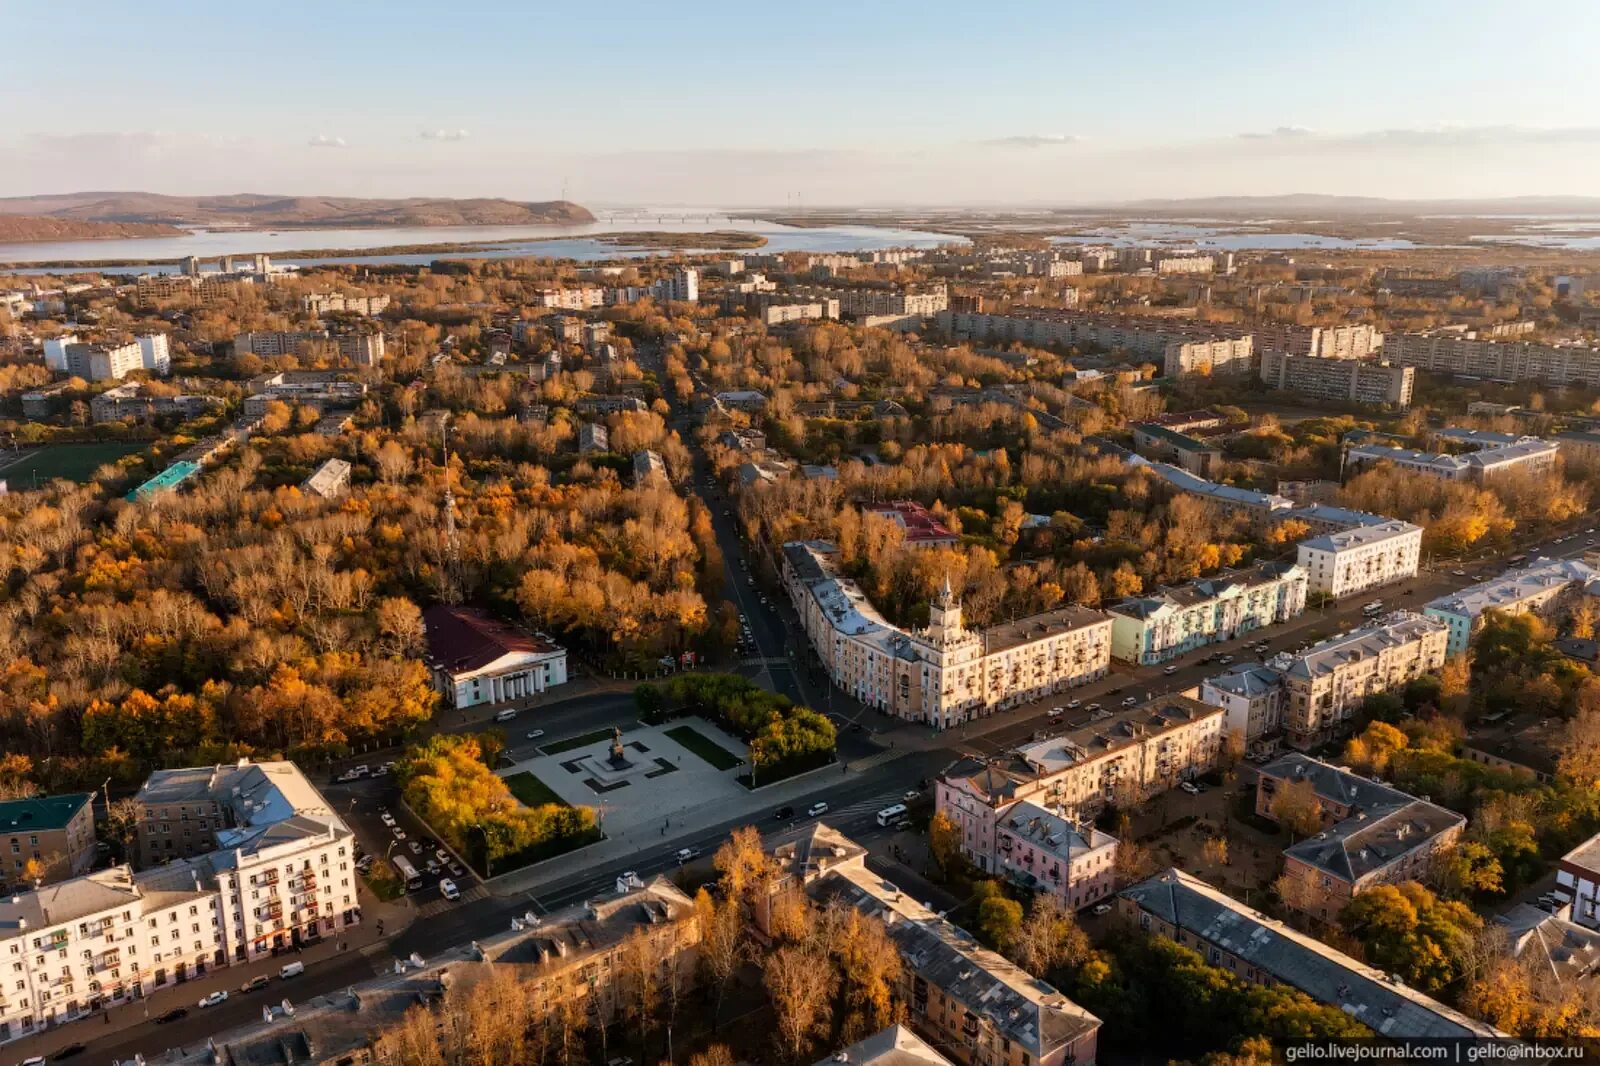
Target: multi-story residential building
1251, 697
131, 400
1163, 445
321, 303
894, 1046
1044, 852
681, 285
945, 674
750, 401
1325, 685
922, 529
1374, 835
977, 1007
1182, 348
330, 480
648, 465
572, 959
1319, 342
608, 404
1265, 951
1354, 380
44, 839
1153, 629
1580, 446
1511, 361
477, 659
111, 359
1366, 557
1123, 757
1545, 588
359, 346
1263, 506
1578, 874
869, 302
579, 299
1527, 455
595, 334
593, 437
207, 290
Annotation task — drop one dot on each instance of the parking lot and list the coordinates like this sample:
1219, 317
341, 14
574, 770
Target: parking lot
370, 805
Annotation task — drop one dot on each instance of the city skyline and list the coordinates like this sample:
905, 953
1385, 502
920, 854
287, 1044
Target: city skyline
893, 103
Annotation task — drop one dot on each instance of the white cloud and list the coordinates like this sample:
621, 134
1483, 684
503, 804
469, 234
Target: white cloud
445, 135
1279, 133
322, 140
1030, 140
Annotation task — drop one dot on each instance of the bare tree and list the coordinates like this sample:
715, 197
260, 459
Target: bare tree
800, 983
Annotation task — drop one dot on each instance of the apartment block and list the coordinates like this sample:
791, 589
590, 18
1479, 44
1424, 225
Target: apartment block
1510, 361
975, 1006
360, 347
945, 674
1546, 588
858, 302
1251, 697
1357, 560
45, 839
1147, 630
131, 400
1528, 455
1578, 873
1040, 851
1263, 506
1265, 951
1181, 349
1325, 685
1163, 445
1334, 379
579, 299
321, 303
108, 359
150, 290
1374, 835
1121, 757
1319, 342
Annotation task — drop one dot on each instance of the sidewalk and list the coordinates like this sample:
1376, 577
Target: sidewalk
622, 850
396, 916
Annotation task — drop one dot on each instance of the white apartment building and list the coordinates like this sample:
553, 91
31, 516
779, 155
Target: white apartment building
1123, 757
1578, 873
1527, 455
1324, 687
1320, 342
1146, 630
109, 360
681, 285
320, 303
945, 674
245, 860
1251, 698
579, 299
1466, 355
1355, 560
1543, 589
1353, 380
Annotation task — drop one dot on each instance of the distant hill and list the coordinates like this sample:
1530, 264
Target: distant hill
1314, 203
18, 228
258, 211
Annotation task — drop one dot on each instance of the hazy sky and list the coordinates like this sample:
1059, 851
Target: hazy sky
754, 102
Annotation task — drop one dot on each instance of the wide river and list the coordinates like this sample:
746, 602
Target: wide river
559, 242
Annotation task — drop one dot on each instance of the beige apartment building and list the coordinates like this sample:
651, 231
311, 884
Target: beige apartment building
44, 839
1319, 342
1122, 757
972, 1004
1325, 686
1180, 348
1467, 355
945, 674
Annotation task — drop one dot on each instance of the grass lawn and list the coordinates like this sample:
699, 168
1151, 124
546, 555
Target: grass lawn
709, 750
74, 462
531, 792
582, 741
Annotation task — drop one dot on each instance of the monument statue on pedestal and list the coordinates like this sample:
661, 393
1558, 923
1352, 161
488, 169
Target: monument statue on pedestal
619, 758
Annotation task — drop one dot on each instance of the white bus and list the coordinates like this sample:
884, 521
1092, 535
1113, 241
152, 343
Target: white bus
408, 873
890, 815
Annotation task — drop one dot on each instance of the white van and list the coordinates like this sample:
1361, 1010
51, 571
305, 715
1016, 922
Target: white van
890, 815
505, 716
294, 969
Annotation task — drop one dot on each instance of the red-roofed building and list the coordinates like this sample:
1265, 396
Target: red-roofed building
922, 529
478, 659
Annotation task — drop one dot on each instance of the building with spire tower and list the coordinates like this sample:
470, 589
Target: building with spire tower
944, 674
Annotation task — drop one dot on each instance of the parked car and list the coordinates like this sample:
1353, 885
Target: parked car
441, 854
1131, 701
293, 969
448, 889
1073, 705
1102, 908
399, 834
816, 809
255, 984
1190, 787
1169, 671
387, 819
535, 734
783, 812
173, 1015
219, 996
416, 847
455, 869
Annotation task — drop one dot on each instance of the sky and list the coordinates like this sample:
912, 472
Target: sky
868, 102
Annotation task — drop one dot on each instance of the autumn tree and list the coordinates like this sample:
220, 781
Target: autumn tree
999, 917
1296, 807
799, 983
1048, 937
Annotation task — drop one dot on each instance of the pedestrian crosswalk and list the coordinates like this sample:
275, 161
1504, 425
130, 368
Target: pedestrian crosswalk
440, 905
